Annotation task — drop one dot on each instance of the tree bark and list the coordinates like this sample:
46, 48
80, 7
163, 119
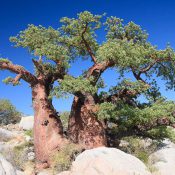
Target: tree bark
84, 128
48, 130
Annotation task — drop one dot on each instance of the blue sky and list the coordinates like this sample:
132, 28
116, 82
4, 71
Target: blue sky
156, 16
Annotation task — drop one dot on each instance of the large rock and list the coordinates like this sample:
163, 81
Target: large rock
167, 144
18, 172
65, 173
107, 161
6, 135
26, 123
5, 167
5, 147
163, 161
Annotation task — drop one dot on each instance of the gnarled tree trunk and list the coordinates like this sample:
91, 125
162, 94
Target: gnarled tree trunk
48, 130
84, 128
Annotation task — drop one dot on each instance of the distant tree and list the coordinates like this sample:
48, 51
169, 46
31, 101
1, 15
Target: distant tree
8, 113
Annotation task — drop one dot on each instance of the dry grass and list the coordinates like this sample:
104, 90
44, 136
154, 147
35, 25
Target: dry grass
17, 155
62, 160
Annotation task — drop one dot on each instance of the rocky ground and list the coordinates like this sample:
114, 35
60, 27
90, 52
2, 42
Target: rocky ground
17, 157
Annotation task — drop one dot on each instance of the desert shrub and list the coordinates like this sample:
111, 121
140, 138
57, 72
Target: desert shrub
17, 155
139, 147
8, 112
62, 160
20, 154
29, 132
64, 118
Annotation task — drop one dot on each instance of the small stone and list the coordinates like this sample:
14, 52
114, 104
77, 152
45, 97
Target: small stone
6, 135
26, 123
123, 143
163, 161
19, 172
5, 167
31, 149
31, 156
65, 173
28, 138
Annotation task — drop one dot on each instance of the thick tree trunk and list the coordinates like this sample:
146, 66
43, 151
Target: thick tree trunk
84, 128
48, 131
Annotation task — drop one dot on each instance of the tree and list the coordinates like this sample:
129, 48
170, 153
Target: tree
125, 49
8, 113
50, 63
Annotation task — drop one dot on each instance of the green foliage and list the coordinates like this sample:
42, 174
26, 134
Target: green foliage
72, 29
166, 70
125, 89
148, 115
4, 60
148, 121
125, 53
106, 110
8, 112
64, 116
126, 45
116, 29
29, 132
23, 146
9, 80
162, 132
42, 41
153, 93
75, 85
132, 88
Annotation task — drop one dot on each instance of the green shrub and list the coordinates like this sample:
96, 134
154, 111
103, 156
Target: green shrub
29, 132
143, 155
64, 118
8, 113
139, 148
